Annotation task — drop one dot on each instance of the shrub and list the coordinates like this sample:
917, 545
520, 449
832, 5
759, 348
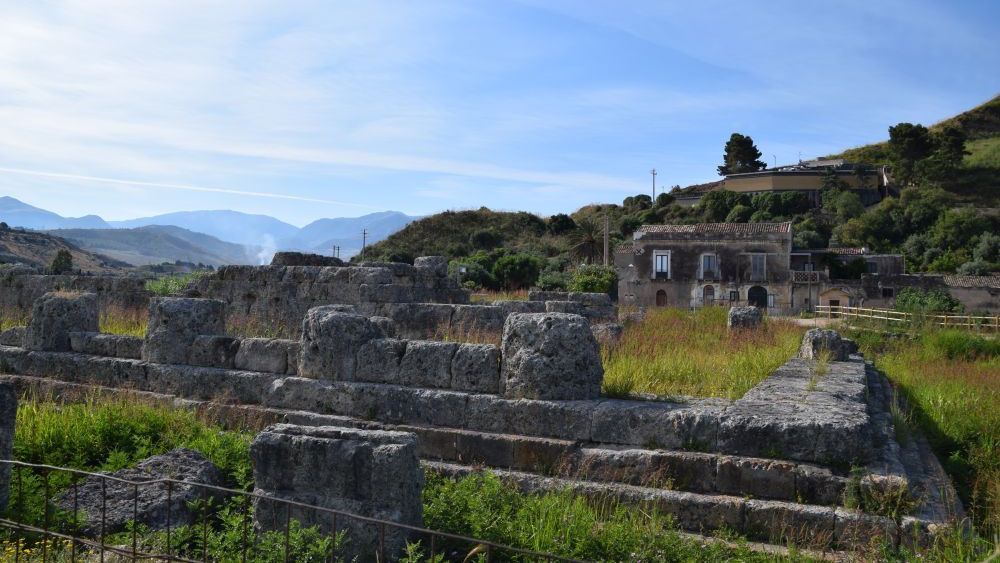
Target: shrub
517, 271
593, 279
916, 300
553, 281
62, 263
172, 285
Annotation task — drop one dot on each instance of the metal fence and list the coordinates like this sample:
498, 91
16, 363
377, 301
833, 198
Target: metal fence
33, 516
889, 316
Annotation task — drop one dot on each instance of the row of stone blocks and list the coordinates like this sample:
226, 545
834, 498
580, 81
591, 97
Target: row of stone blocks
543, 356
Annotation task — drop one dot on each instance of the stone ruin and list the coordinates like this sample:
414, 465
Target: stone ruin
354, 393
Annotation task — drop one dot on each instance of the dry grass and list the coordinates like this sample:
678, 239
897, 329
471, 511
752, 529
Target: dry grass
13, 317
676, 352
491, 296
115, 319
470, 334
260, 326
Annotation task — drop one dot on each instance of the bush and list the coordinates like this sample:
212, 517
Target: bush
517, 271
916, 300
594, 279
560, 223
739, 214
553, 281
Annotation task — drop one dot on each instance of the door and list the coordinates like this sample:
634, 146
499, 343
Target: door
835, 307
757, 296
661, 298
708, 295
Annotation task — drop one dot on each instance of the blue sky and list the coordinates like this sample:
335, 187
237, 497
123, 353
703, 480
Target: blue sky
304, 110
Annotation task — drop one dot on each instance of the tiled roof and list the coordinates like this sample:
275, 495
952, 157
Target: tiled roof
844, 251
723, 228
992, 280
624, 248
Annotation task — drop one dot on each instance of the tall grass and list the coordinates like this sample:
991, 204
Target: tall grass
491, 296
951, 381
115, 319
173, 284
676, 352
13, 317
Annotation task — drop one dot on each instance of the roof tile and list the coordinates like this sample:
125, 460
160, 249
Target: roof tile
722, 228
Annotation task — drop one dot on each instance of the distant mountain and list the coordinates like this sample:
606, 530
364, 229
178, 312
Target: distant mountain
322, 235
16, 213
231, 226
156, 244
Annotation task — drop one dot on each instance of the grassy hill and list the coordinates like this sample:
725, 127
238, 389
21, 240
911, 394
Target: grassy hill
978, 182
38, 249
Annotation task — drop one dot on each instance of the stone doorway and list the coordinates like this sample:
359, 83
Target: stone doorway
661, 298
757, 296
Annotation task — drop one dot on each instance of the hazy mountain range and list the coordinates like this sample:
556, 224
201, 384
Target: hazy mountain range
210, 237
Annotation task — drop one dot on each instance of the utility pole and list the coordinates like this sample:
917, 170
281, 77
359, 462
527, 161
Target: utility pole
775, 157
364, 242
653, 172
606, 235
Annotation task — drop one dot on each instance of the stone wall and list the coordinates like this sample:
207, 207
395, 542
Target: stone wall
19, 288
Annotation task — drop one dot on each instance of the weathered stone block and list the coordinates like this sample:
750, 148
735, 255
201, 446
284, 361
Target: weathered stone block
379, 359
436, 264
762, 478
427, 364
817, 341
472, 319
568, 307
550, 356
781, 522
8, 414
745, 317
174, 323
55, 315
854, 529
330, 343
13, 336
567, 420
262, 354
608, 334
213, 351
476, 368
372, 473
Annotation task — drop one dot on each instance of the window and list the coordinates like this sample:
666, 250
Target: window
734, 296
770, 300
661, 264
887, 293
709, 266
809, 266
758, 264
872, 267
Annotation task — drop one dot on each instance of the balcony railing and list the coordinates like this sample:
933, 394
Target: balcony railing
805, 277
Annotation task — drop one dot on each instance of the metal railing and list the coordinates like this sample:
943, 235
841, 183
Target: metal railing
799, 276
970, 322
65, 525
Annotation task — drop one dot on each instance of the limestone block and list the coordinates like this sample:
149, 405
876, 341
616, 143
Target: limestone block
129, 347
214, 351
509, 307
762, 478
405, 405
292, 350
8, 414
368, 472
427, 364
436, 264
608, 334
384, 324
567, 420
268, 355
174, 323
330, 343
772, 520
477, 318
745, 317
818, 485
378, 360
370, 275
99, 344
13, 336
568, 307
654, 424
817, 340
855, 530
476, 368
419, 320
54, 315
701, 512
542, 296
550, 356
590, 299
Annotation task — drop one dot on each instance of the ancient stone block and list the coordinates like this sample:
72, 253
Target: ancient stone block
818, 485
701, 513
854, 529
607, 334
745, 317
419, 320
371, 473
436, 264
262, 354
762, 478
384, 324
567, 420
781, 522
476, 368
817, 340
472, 319
107, 505
378, 360
13, 336
427, 364
656, 424
8, 414
174, 323
128, 347
538, 295
55, 315
567, 307
550, 356
213, 351
330, 343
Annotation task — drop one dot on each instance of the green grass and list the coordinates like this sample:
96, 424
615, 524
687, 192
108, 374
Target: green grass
167, 286
983, 153
10, 318
676, 352
950, 380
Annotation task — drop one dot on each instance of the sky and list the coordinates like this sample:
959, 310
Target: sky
303, 110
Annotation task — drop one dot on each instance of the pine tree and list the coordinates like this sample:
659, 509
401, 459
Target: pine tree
741, 156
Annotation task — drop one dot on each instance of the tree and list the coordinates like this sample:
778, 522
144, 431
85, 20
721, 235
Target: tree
739, 214
560, 223
716, 205
664, 199
908, 145
845, 206
4, 226
741, 156
517, 271
832, 182
62, 263
948, 153
913, 299
862, 174
587, 241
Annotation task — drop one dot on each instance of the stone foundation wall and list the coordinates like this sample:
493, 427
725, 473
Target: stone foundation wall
20, 289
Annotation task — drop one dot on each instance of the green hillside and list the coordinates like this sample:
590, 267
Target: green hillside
978, 180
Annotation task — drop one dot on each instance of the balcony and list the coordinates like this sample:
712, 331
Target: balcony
806, 277
708, 275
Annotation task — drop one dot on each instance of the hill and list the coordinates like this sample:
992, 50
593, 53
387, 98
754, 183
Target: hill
16, 213
225, 225
978, 180
38, 249
156, 244
323, 234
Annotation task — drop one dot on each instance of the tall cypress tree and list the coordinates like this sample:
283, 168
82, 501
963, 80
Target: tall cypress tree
741, 156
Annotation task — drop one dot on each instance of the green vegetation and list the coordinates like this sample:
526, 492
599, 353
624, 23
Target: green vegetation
62, 263
674, 352
591, 278
173, 284
741, 156
916, 300
125, 322
950, 380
